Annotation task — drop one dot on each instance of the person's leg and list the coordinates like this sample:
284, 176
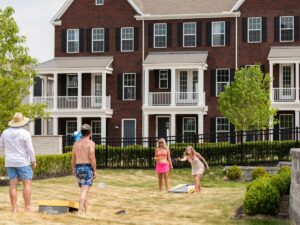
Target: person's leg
27, 195
159, 175
86, 200
13, 194
82, 200
197, 182
166, 177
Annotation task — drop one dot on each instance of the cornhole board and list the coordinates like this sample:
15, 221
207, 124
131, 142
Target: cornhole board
183, 188
57, 206
4, 181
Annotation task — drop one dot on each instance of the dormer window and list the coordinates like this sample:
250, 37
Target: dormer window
99, 2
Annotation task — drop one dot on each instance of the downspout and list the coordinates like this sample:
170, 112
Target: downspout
236, 41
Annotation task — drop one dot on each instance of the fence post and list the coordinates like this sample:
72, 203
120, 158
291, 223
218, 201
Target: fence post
297, 136
149, 152
242, 146
106, 153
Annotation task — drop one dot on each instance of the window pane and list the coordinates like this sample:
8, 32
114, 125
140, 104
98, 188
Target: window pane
127, 37
98, 46
163, 79
71, 127
127, 45
189, 28
254, 36
222, 125
287, 28
223, 79
160, 35
160, 41
189, 41
72, 80
160, 29
99, 2
218, 39
218, 27
189, 125
73, 46
129, 86
287, 35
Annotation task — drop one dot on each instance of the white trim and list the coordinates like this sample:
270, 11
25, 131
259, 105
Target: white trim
190, 117
100, 3
60, 13
248, 30
195, 35
121, 38
212, 34
75, 29
123, 87
128, 119
164, 79
156, 124
135, 7
280, 29
92, 40
166, 36
237, 5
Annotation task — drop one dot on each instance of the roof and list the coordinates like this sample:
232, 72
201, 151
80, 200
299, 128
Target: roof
195, 57
287, 52
71, 63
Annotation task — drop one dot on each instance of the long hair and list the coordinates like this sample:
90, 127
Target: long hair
193, 152
164, 143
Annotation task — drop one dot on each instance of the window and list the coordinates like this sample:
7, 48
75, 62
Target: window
160, 35
222, 129
96, 129
98, 40
189, 126
99, 2
189, 34
286, 28
223, 79
218, 34
254, 30
127, 39
163, 79
73, 40
71, 127
72, 85
286, 122
129, 86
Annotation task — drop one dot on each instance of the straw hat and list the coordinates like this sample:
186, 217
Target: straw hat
18, 120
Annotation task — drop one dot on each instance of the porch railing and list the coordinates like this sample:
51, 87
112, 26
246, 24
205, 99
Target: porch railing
159, 98
284, 94
67, 102
48, 100
186, 98
181, 98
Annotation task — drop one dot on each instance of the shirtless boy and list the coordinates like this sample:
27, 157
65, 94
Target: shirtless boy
84, 165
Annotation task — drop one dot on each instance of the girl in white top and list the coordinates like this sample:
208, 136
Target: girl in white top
196, 161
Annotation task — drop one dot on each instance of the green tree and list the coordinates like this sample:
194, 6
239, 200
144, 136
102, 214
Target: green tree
16, 72
246, 102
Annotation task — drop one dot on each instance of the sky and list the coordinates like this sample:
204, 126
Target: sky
33, 18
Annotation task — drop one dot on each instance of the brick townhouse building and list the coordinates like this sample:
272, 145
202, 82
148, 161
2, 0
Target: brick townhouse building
139, 68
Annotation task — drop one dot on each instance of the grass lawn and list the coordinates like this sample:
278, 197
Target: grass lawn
136, 192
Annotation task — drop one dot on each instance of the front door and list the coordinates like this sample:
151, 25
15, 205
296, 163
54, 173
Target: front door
96, 90
163, 126
128, 131
287, 82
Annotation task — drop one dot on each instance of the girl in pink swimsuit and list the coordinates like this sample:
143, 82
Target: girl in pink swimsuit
163, 163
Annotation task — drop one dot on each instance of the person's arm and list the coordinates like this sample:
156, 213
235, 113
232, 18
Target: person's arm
183, 159
169, 159
1, 141
73, 159
30, 150
92, 158
203, 160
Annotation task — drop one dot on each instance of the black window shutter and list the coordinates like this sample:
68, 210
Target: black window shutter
213, 82
118, 39
276, 132
81, 40
296, 32
89, 40
37, 126
262, 68
136, 38
276, 29
138, 86
227, 29
169, 79
63, 80
208, 34
232, 73
232, 134
169, 38
179, 34
245, 29
150, 35
64, 41
37, 90
120, 86
106, 39
213, 129
264, 29
156, 78
199, 27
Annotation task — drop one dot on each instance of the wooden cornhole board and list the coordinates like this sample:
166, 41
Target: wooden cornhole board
57, 206
183, 188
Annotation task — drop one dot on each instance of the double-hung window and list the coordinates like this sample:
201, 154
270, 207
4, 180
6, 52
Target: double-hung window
73, 40
254, 29
223, 79
99, 2
98, 39
222, 129
189, 34
189, 126
160, 35
163, 79
72, 85
286, 28
218, 34
286, 123
129, 86
127, 39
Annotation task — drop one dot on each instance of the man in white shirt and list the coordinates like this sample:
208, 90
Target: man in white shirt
19, 159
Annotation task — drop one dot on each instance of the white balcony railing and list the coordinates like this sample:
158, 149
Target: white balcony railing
48, 100
186, 98
159, 98
284, 94
181, 98
67, 102
92, 102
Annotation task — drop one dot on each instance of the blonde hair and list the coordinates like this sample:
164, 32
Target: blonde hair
164, 143
193, 154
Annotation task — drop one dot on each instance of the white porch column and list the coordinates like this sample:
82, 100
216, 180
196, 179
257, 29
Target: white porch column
104, 91
55, 82
173, 125
31, 127
271, 81
145, 125
297, 82
200, 88
45, 80
146, 88
79, 123
103, 127
173, 88
200, 127
297, 120
55, 125
31, 95
79, 102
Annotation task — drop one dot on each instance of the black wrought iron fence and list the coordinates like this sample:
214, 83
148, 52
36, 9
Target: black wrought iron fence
243, 148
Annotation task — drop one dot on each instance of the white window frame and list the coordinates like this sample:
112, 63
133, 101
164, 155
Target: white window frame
96, 121
195, 35
78, 37
98, 40
260, 36
123, 28
99, 3
67, 122
228, 83
280, 29
156, 123
293, 124
67, 85
154, 35
212, 34
129, 87
190, 117
160, 79
129, 119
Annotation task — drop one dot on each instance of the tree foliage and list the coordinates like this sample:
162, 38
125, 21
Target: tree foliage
16, 72
246, 102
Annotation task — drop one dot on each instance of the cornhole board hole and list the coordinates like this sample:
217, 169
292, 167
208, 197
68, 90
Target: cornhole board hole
57, 206
183, 188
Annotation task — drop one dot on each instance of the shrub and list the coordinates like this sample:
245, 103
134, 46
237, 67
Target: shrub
285, 169
279, 183
258, 172
262, 198
234, 173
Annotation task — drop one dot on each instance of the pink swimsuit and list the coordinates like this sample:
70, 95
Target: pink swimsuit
162, 167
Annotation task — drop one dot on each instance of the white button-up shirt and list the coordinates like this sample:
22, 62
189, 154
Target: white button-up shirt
18, 146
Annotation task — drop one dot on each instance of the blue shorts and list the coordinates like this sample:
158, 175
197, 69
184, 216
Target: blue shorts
84, 174
23, 173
